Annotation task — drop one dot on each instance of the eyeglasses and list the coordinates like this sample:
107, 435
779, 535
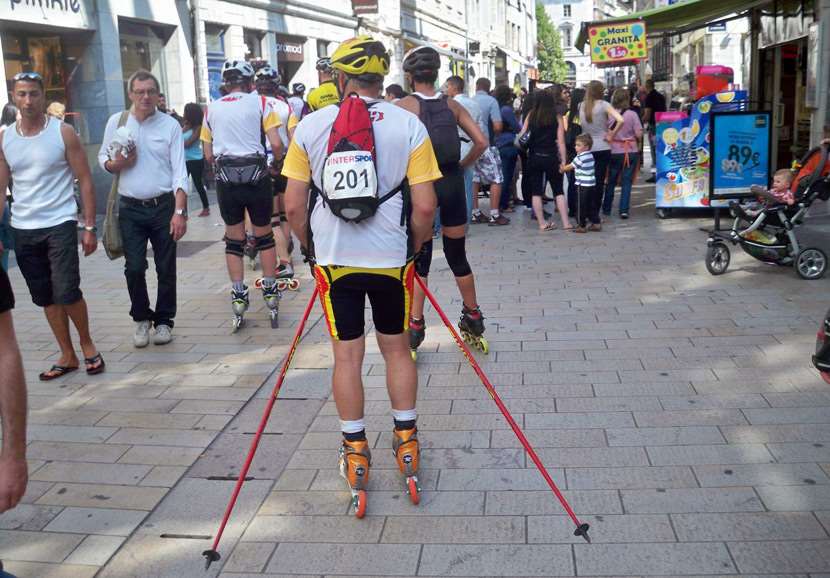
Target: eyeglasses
27, 76
148, 92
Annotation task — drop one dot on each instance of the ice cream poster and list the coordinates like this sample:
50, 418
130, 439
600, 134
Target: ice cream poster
683, 152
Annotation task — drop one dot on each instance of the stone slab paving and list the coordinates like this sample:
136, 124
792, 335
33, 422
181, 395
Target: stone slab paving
678, 412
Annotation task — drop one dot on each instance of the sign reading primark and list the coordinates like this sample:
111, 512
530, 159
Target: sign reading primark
617, 43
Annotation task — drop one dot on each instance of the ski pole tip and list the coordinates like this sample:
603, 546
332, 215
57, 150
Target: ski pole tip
582, 530
211, 556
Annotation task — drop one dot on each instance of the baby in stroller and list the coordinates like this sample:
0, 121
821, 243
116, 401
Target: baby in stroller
767, 231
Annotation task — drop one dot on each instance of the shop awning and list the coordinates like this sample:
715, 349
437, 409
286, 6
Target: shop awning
423, 42
678, 18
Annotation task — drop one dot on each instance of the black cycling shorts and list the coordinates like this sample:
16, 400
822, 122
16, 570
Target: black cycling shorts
6, 294
234, 200
48, 260
343, 292
452, 197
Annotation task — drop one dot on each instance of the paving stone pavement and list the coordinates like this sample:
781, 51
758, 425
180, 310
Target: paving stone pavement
678, 412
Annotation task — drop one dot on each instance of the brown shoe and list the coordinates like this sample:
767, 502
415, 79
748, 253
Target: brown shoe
499, 220
204, 213
480, 218
596, 227
580, 229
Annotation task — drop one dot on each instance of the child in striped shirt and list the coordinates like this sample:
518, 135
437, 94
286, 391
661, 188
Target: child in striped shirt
585, 180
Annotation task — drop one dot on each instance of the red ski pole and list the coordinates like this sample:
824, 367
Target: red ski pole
581, 528
212, 555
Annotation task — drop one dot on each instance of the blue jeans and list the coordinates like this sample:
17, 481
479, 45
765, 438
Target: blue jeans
615, 169
6, 239
468, 188
508, 154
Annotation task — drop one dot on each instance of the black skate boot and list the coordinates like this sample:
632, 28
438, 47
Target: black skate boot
417, 332
471, 325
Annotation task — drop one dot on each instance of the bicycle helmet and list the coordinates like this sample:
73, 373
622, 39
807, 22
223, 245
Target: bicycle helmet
421, 58
361, 55
298, 88
268, 74
324, 64
237, 71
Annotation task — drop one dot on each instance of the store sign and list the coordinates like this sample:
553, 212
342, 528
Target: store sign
361, 7
289, 49
740, 153
62, 13
617, 43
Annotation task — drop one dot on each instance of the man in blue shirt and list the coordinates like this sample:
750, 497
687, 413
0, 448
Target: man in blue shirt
488, 166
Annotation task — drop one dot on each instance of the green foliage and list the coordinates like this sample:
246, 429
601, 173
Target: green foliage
552, 67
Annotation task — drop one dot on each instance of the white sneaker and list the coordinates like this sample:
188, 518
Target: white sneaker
142, 334
163, 336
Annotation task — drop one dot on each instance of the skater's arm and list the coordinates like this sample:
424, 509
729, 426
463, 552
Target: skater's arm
423, 213
296, 209
277, 146
13, 469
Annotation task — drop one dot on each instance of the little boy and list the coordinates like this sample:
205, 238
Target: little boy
583, 167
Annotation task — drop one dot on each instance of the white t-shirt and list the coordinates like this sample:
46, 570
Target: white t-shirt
43, 182
287, 121
234, 124
472, 107
403, 150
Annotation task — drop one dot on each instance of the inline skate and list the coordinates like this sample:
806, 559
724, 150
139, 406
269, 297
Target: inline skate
239, 304
406, 450
285, 277
471, 325
417, 332
272, 295
355, 459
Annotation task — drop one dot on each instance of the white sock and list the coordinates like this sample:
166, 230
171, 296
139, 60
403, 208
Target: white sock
476, 212
494, 212
404, 414
352, 426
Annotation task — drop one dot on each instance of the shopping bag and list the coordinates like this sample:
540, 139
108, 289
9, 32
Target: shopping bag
112, 230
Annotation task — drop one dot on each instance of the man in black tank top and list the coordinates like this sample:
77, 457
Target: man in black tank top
442, 117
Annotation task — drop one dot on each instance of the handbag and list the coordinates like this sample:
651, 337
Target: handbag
113, 245
522, 141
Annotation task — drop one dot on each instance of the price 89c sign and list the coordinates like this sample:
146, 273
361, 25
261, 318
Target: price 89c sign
740, 153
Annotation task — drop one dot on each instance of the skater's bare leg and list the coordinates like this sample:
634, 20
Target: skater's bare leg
401, 374
418, 299
268, 257
279, 234
346, 381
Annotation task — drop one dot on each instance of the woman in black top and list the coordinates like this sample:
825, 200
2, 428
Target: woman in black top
527, 106
545, 151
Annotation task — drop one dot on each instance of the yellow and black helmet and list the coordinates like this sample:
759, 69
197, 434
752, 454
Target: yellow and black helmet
361, 55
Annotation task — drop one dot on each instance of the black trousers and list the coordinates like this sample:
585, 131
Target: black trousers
602, 159
140, 224
196, 169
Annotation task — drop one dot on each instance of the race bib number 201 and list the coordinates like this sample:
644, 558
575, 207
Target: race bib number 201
350, 174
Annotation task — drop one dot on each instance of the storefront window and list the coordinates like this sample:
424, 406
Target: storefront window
142, 47
215, 43
253, 44
42, 54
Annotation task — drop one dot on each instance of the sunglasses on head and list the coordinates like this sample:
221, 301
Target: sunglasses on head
27, 76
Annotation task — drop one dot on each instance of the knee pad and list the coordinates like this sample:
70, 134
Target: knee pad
456, 256
266, 241
234, 246
423, 259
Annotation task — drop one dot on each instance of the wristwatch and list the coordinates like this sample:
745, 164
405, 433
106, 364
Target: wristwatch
182, 212
89, 229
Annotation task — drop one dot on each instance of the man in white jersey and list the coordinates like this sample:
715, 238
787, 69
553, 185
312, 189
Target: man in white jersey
370, 258
235, 130
297, 100
267, 85
42, 154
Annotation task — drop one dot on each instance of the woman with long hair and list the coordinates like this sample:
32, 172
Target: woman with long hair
194, 158
545, 154
504, 142
527, 106
595, 116
572, 130
625, 153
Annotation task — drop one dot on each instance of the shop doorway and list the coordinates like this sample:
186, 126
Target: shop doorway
41, 54
142, 48
783, 91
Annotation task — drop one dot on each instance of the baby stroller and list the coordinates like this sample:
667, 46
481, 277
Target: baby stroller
770, 236
821, 359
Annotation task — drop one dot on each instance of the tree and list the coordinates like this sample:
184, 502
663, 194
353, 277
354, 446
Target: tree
552, 67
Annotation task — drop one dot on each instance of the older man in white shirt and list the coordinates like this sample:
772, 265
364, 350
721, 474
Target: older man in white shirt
149, 162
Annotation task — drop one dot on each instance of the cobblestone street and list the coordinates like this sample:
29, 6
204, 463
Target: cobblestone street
678, 411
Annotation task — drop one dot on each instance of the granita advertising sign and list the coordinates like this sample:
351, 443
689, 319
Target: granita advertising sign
617, 42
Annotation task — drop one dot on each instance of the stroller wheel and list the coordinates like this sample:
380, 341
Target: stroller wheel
811, 263
717, 258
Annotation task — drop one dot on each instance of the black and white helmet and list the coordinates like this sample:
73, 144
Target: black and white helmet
298, 88
237, 71
421, 58
268, 73
324, 65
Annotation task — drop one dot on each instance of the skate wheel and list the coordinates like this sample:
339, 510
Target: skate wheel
359, 503
275, 319
413, 490
414, 354
483, 346
258, 283
294, 284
